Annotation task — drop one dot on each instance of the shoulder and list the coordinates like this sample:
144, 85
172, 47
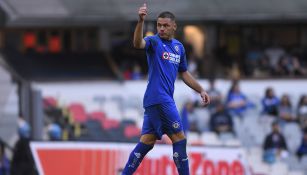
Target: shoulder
175, 41
178, 43
154, 39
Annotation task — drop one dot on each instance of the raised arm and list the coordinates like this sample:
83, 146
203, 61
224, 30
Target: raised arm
138, 40
189, 80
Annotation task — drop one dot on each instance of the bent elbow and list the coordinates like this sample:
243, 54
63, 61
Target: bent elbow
136, 45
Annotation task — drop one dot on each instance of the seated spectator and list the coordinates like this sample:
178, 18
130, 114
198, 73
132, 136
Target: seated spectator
126, 69
270, 103
302, 150
235, 72
136, 73
215, 96
275, 146
302, 112
22, 161
221, 121
67, 131
285, 110
236, 102
189, 119
296, 68
4, 161
274, 53
54, 132
253, 56
264, 69
282, 67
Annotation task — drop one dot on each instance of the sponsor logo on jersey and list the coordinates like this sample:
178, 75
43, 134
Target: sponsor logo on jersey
165, 55
173, 58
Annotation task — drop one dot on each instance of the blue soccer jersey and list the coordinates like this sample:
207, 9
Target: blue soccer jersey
165, 58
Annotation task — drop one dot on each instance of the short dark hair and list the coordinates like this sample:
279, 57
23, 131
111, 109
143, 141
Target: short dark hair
268, 90
167, 14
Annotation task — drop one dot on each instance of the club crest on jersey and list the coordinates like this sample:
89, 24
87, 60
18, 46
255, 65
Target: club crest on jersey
176, 125
173, 58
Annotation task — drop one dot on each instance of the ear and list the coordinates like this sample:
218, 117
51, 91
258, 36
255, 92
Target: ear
175, 26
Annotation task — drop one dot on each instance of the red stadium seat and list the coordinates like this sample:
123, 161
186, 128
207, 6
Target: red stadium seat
132, 131
49, 102
78, 112
108, 124
98, 115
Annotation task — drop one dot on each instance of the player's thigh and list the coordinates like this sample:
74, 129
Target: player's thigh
152, 123
148, 139
171, 122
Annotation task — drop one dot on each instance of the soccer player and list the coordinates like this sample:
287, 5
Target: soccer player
165, 57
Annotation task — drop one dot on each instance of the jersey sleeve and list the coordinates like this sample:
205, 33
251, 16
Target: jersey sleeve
148, 41
151, 42
183, 65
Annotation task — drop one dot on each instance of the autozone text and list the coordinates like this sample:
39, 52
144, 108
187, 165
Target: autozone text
199, 165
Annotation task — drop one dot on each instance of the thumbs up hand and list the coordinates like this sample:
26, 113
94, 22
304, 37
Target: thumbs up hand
143, 12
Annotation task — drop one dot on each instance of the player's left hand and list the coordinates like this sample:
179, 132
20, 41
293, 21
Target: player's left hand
205, 97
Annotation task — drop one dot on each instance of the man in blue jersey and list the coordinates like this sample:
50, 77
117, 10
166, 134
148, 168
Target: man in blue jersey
165, 56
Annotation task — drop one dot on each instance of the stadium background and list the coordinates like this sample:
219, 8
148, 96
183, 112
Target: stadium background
72, 83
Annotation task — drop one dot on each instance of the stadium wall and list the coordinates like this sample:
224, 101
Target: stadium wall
109, 159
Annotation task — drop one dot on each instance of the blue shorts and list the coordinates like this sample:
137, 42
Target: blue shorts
161, 119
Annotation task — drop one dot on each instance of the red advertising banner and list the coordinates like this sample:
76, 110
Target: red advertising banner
78, 158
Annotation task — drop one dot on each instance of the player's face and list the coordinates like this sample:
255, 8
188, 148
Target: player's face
166, 28
271, 93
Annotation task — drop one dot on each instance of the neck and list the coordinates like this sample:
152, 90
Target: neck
167, 39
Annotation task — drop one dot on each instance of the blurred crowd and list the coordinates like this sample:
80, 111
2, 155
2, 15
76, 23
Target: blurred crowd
255, 62
266, 59
275, 61
223, 111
